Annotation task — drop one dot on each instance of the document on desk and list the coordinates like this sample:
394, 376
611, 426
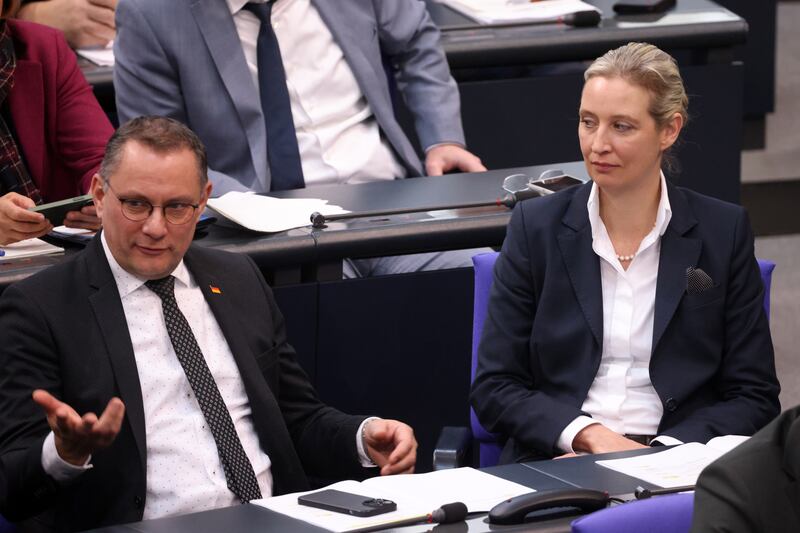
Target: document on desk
99, 56
504, 12
266, 214
415, 495
27, 248
675, 467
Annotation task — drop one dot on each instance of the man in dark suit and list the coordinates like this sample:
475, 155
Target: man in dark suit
180, 350
711, 363
755, 486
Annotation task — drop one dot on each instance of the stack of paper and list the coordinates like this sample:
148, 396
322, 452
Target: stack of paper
269, 215
28, 248
510, 11
676, 467
415, 495
99, 56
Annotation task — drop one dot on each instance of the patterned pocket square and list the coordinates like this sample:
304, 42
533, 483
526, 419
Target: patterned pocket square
697, 281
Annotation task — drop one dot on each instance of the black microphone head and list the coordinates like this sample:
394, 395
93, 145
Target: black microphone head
697, 281
449, 513
582, 19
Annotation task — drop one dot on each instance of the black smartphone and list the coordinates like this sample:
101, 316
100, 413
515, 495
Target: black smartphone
347, 503
55, 212
632, 7
550, 185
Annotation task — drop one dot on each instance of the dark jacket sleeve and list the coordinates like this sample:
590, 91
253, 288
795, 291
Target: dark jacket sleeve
745, 383
28, 361
506, 393
325, 438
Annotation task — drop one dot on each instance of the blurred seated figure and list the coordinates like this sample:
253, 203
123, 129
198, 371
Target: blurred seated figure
625, 312
754, 487
52, 130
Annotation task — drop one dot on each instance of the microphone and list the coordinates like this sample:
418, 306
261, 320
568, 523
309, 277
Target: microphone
642, 493
581, 19
448, 513
318, 220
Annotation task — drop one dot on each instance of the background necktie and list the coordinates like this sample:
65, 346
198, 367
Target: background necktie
239, 472
282, 152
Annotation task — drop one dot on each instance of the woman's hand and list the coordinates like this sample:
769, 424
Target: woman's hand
17, 223
86, 218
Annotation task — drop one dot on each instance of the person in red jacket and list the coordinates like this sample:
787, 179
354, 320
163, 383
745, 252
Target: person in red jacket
52, 130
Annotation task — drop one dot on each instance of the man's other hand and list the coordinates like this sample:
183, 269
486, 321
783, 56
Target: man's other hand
391, 445
86, 218
597, 438
446, 157
77, 437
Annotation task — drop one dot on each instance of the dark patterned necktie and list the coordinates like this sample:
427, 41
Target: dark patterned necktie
282, 151
239, 472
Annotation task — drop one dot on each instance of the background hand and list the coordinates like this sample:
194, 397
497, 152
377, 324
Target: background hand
17, 223
599, 439
391, 445
86, 218
76, 436
84, 22
446, 157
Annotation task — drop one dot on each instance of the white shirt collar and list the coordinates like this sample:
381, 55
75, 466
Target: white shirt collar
127, 282
663, 213
236, 5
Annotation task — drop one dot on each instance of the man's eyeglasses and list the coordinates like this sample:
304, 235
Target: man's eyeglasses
137, 210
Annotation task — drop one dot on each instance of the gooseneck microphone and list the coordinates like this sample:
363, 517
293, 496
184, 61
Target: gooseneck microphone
318, 220
446, 514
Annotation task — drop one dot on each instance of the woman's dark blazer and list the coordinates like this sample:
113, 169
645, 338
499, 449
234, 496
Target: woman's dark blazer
712, 362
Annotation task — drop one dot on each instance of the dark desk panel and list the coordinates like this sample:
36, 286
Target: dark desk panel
697, 24
584, 472
541, 475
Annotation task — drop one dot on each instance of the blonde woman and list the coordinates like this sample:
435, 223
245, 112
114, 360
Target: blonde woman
625, 312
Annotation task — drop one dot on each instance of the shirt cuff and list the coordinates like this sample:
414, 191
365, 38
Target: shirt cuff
571, 431
363, 457
56, 467
445, 143
664, 440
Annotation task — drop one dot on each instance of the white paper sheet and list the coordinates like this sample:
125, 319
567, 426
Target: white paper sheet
415, 495
99, 56
503, 11
269, 215
28, 248
675, 467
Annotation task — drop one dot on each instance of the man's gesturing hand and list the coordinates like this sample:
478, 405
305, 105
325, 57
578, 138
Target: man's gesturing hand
76, 436
391, 445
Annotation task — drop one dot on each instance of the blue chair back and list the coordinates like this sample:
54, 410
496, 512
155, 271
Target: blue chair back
659, 514
5, 526
488, 445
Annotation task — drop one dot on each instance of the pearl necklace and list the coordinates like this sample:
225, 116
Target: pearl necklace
626, 257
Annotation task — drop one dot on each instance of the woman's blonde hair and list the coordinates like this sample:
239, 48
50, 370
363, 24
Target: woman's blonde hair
656, 71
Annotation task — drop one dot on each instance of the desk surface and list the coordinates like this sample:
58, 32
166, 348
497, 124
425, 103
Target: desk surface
368, 237
691, 24
540, 475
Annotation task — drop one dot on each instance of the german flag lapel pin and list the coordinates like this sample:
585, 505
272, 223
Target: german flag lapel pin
215, 289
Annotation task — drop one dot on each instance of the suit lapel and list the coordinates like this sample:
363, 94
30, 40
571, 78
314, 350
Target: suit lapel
677, 254
219, 32
791, 465
110, 316
583, 265
26, 103
214, 291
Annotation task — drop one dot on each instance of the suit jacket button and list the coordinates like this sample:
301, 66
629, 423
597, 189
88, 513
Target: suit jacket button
671, 404
139, 501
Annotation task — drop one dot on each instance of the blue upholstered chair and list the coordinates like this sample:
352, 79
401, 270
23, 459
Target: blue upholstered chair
451, 448
5, 526
659, 514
